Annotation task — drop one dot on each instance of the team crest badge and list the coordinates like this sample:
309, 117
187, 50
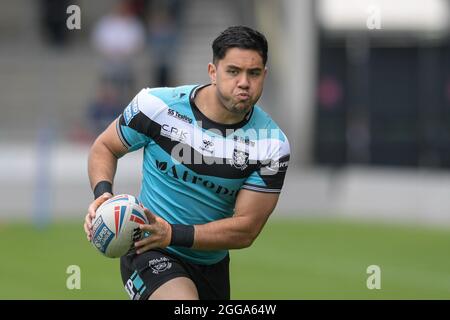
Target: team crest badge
208, 145
240, 159
159, 265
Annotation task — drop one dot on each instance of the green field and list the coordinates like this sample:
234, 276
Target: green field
292, 259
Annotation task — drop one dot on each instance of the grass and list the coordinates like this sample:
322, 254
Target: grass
291, 259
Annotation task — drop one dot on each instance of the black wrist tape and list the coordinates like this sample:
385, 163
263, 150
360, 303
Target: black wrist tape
101, 188
182, 235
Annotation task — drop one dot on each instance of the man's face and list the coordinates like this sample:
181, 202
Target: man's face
239, 79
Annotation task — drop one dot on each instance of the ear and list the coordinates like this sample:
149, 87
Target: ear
212, 72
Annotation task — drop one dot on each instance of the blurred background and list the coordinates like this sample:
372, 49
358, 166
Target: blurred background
360, 87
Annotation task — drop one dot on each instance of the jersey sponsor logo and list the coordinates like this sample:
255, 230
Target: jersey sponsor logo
174, 133
278, 166
159, 265
188, 177
208, 146
179, 116
275, 167
131, 111
240, 159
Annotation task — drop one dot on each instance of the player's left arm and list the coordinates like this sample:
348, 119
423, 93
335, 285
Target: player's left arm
239, 231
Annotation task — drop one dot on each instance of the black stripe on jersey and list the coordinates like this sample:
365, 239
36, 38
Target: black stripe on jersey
204, 165
120, 133
211, 166
274, 181
254, 187
143, 124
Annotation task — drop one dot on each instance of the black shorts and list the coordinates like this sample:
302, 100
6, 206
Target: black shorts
144, 273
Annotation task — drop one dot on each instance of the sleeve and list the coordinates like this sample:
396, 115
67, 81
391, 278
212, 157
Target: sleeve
136, 126
269, 177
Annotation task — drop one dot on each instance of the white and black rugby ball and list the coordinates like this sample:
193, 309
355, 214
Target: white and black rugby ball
115, 227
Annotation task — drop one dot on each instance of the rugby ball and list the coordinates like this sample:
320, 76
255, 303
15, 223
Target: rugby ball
115, 227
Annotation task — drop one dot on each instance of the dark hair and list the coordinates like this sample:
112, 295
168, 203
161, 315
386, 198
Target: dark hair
239, 37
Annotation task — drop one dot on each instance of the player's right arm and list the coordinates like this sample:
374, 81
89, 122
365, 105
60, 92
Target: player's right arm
103, 156
102, 165
131, 131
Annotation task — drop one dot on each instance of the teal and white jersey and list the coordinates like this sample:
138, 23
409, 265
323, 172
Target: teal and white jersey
193, 168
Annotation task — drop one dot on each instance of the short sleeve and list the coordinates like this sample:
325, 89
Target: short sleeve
136, 126
269, 177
